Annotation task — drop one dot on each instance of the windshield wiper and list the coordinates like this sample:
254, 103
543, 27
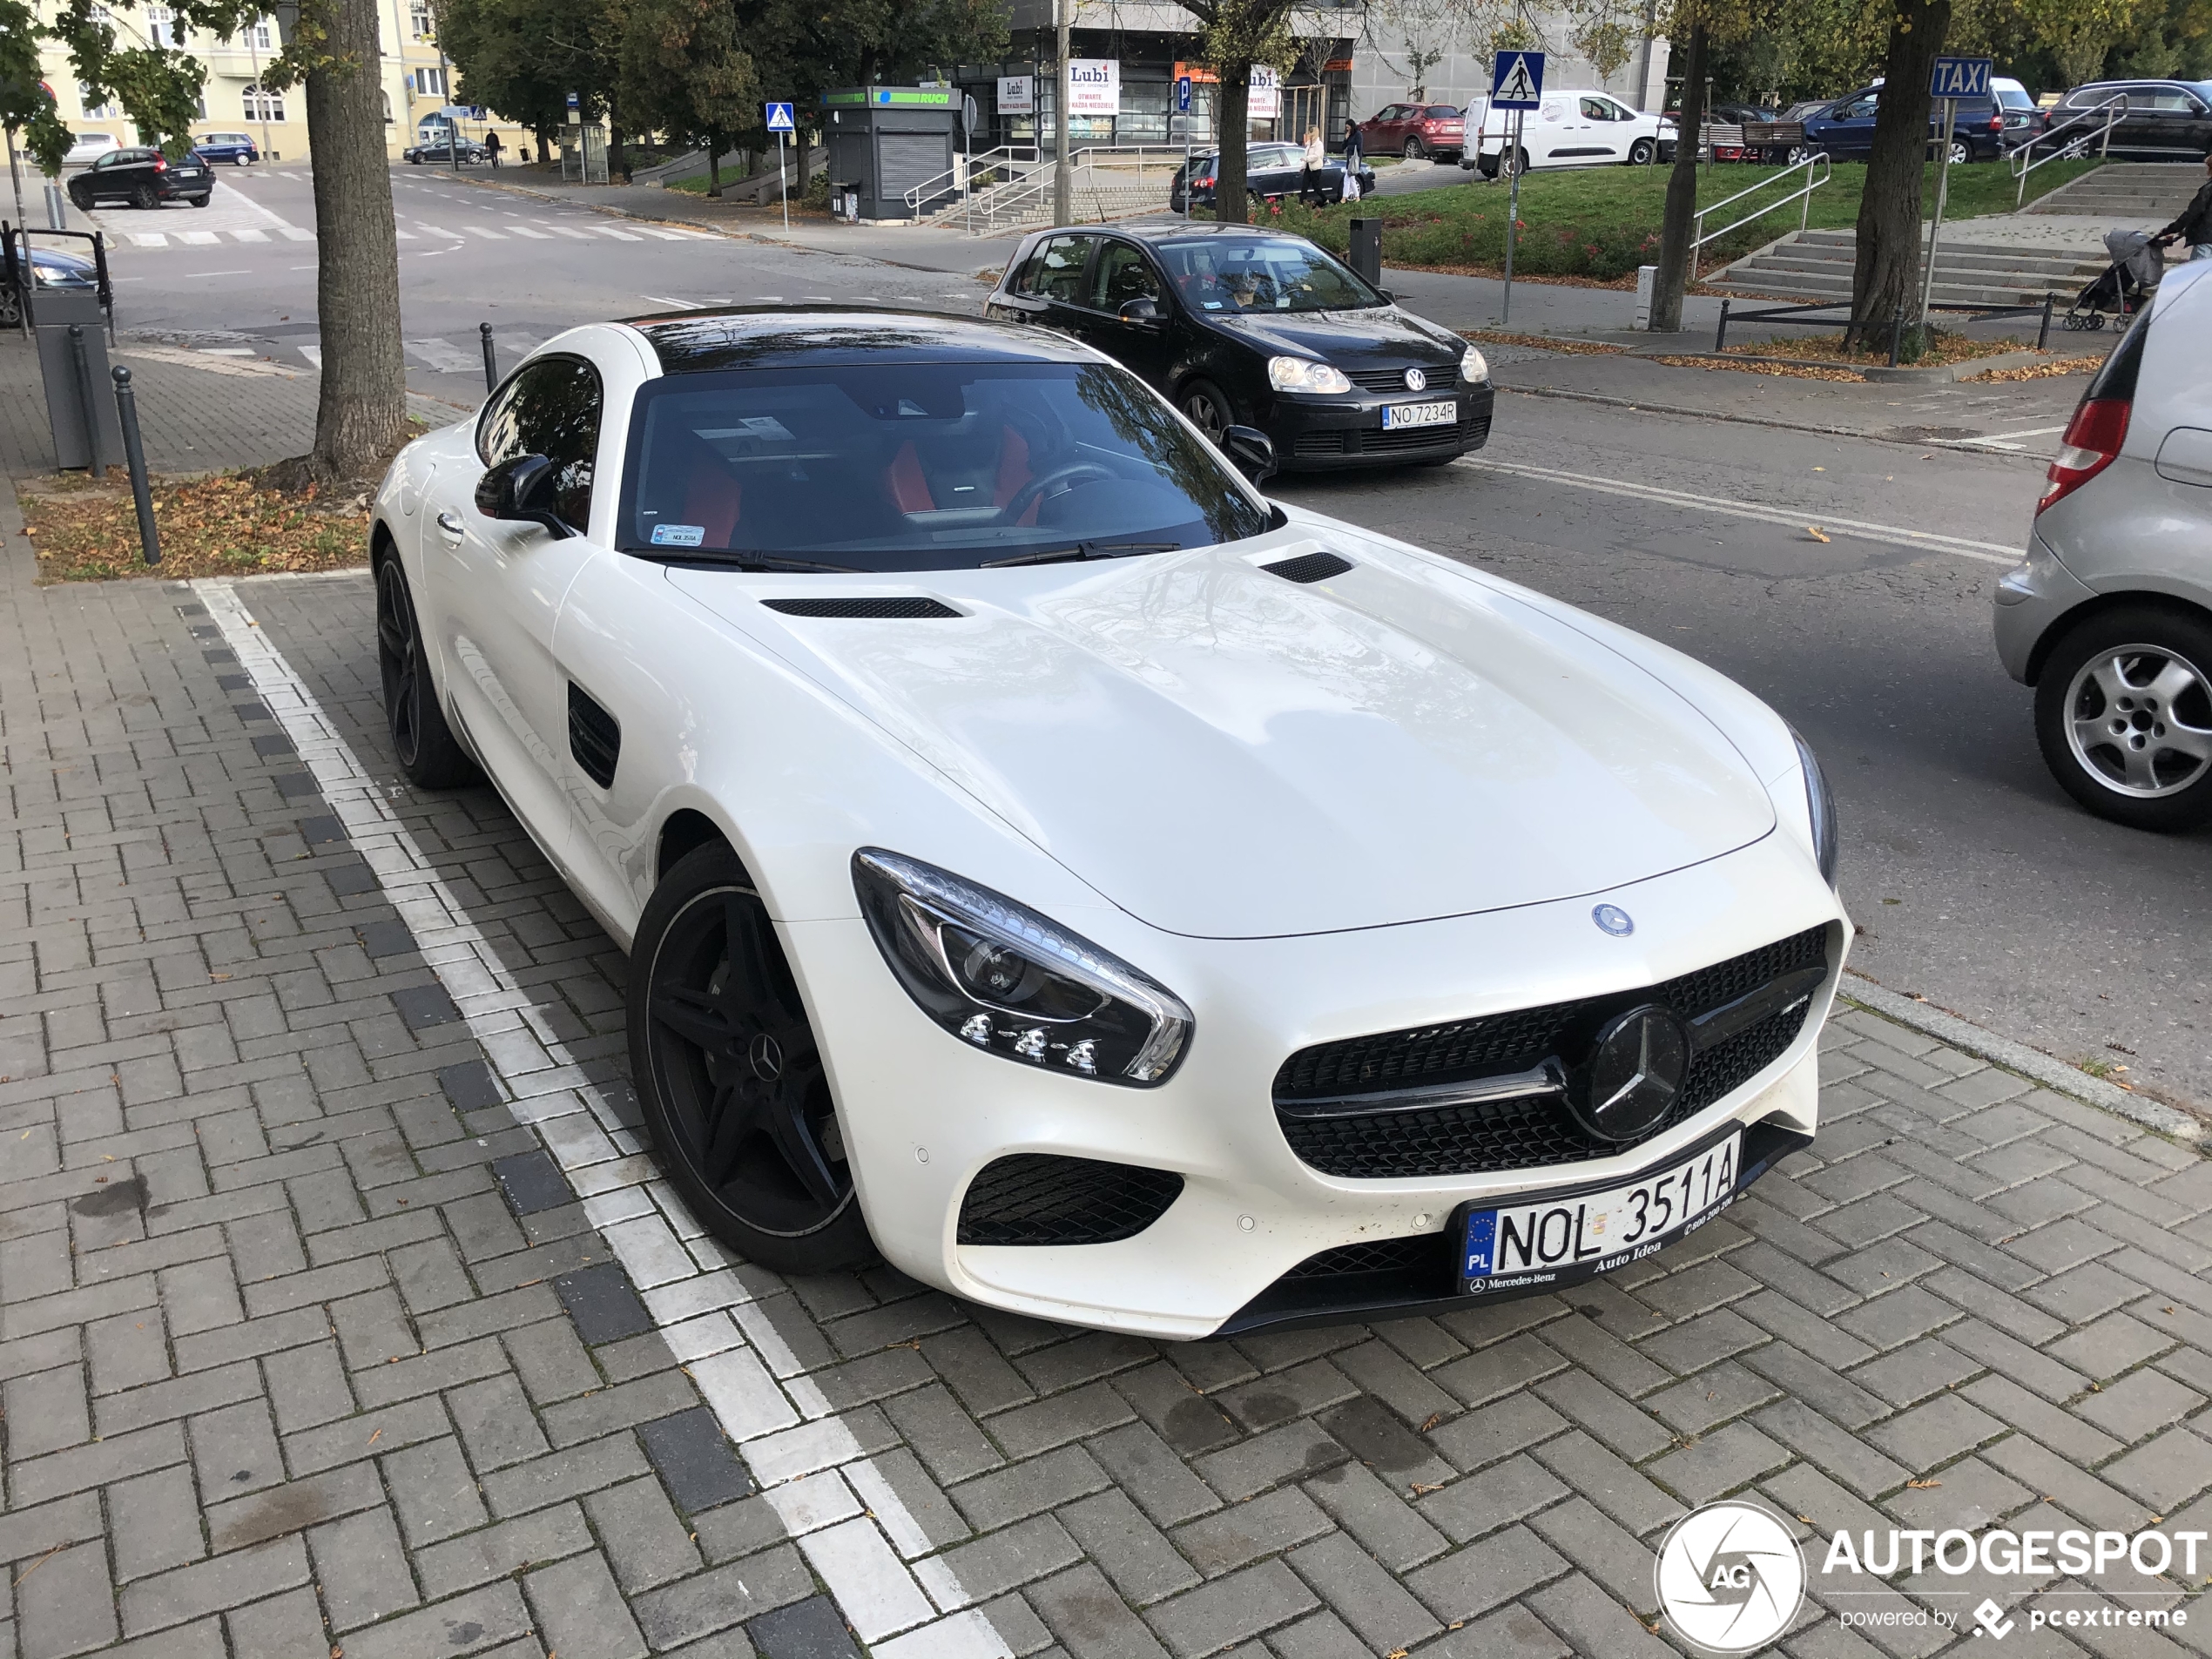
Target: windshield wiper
1082, 551
739, 561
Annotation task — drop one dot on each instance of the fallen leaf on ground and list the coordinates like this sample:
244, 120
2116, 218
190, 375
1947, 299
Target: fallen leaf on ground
1816, 532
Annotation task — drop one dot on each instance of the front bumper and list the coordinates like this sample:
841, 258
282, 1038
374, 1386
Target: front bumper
923, 1115
1330, 433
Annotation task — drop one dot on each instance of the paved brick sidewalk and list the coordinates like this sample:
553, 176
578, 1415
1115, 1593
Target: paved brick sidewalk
309, 1342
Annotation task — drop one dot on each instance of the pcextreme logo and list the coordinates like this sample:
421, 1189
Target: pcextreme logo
1730, 1577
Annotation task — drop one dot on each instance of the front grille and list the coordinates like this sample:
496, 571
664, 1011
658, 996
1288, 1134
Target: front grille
1039, 1198
1376, 1256
1319, 443
1531, 1131
1417, 437
1442, 377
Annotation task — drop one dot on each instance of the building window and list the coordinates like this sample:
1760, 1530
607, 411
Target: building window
430, 82
161, 26
263, 106
418, 17
387, 108
98, 106
260, 35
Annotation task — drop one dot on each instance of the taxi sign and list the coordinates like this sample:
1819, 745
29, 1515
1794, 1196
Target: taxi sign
1960, 76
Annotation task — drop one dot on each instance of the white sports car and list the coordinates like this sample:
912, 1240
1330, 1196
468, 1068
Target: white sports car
1107, 893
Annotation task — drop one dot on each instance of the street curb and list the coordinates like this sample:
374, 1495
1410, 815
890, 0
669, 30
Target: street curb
1640, 406
1877, 373
1931, 1021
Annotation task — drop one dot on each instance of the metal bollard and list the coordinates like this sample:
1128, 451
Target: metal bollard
2043, 335
134, 457
491, 358
96, 462
1719, 334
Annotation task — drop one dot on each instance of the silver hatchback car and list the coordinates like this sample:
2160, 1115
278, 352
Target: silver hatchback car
2109, 617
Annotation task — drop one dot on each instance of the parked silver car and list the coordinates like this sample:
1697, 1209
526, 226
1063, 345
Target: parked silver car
2109, 617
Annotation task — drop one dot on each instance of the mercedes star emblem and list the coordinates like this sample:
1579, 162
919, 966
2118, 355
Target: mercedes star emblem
767, 1058
1415, 380
1613, 921
1634, 1074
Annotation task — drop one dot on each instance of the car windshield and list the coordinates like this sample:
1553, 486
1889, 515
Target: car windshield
1237, 273
920, 467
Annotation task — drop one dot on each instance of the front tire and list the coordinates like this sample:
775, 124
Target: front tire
1209, 408
1643, 151
1961, 153
423, 744
2123, 714
144, 199
730, 1077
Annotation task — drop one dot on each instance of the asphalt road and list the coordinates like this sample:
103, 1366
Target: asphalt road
1978, 885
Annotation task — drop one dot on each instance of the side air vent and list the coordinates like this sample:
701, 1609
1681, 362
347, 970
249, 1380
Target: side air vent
1036, 1199
914, 608
1309, 567
595, 736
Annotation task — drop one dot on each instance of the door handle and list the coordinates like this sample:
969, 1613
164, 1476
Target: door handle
449, 521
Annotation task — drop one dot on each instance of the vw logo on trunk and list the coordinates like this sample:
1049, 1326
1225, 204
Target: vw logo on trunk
1415, 380
1634, 1074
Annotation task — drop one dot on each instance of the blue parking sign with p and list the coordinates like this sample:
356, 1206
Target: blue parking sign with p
1960, 76
779, 119
1517, 81
1183, 93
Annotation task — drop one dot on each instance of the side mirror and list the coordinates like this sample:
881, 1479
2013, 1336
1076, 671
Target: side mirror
520, 489
1140, 309
1250, 452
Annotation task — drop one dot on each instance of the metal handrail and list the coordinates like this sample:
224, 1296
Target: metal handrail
959, 178
2112, 109
1817, 169
1096, 169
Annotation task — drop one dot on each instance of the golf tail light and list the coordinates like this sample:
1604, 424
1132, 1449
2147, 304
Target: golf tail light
1005, 979
2092, 443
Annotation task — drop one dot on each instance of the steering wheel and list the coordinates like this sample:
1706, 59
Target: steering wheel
1020, 501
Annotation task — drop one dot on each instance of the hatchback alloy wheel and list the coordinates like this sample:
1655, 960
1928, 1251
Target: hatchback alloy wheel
731, 1075
2124, 716
1208, 407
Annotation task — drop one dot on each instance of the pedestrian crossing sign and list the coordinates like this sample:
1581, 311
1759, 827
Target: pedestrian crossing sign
1517, 81
779, 119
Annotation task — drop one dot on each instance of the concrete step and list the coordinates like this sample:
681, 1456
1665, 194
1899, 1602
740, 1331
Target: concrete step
1846, 244
2125, 190
1968, 262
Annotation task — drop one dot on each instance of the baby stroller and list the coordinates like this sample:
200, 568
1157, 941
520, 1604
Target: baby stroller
2137, 264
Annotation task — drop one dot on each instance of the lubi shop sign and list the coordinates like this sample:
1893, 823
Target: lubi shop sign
1094, 86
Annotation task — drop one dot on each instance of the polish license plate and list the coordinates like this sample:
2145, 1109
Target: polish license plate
1552, 1241
1397, 417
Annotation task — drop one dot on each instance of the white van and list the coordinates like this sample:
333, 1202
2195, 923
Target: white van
1573, 129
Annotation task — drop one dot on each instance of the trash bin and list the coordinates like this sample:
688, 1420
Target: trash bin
1366, 253
76, 373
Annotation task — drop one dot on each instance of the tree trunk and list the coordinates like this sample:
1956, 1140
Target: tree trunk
1680, 226
1232, 127
714, 165
362, 414
1885, 288
617, 163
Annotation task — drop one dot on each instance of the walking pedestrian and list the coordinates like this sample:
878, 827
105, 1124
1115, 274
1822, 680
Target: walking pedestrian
2193, 228
1317, 156
491, 147
1355, 158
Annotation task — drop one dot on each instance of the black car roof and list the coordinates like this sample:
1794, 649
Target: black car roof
1202, 232
693, 342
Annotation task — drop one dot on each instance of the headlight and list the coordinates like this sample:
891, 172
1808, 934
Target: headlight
1820, 807
1474, 368
1303, 374
1007, 980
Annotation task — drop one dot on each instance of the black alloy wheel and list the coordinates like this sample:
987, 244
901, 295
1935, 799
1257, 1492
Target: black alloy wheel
730, 1076
1209, 408
422, 741
143, 198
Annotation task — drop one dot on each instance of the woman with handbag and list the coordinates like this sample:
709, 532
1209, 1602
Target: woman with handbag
1316, 157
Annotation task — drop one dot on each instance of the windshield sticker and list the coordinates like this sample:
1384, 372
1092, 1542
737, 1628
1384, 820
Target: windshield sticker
678, 535
752, 426
1213, 305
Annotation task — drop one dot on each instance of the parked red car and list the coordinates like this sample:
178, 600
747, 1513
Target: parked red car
1415, 130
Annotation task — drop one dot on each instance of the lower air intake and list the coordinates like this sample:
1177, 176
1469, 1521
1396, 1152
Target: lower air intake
1039, 1198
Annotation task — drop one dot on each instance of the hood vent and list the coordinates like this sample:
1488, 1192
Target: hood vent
884, 610
1309, 567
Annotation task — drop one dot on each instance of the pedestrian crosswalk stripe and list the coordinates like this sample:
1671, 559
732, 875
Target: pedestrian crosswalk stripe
444, 355
665, 236
485, 230
694, 236
313, 354
562, 230
535, 236
149, 239
293, 233
199, 238
405, 236
251, 235
676, 305
619, 236
436, 230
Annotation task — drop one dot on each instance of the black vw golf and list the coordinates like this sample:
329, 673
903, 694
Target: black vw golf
1245, 327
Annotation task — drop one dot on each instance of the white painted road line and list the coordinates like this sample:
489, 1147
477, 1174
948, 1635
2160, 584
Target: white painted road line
1996, 440
486, 231
1796, 517
149, 239
293, 233
198, 238
444, 357
251, 235
783, 1425
524, 230
619, 236
313, 354
562, 230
